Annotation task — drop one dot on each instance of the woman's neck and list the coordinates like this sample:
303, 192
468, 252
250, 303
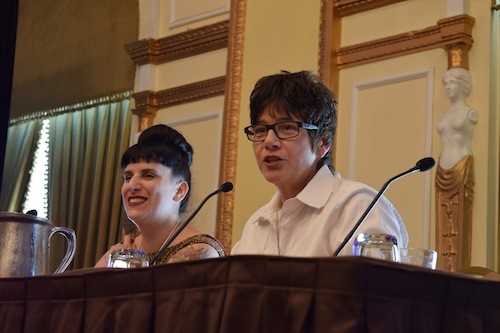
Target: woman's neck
152, 239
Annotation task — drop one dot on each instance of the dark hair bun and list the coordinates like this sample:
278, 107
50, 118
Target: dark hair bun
168, 136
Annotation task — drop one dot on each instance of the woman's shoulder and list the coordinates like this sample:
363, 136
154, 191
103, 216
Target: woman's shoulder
192, 246
202, 239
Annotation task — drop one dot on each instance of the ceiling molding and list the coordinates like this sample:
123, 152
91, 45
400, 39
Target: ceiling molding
148, 102
192, 42
447, 34
182, 94
351, 7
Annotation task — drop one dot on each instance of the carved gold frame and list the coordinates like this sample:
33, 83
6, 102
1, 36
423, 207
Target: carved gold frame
234, 73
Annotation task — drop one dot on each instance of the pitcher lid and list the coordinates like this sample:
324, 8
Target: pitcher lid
21, 217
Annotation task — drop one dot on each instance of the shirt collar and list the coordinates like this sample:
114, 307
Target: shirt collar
318, 190
315, 194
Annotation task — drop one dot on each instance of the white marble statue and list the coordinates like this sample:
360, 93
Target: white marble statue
456, 125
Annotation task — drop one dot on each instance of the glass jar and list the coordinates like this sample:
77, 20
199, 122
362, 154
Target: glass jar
128, 258
379, 246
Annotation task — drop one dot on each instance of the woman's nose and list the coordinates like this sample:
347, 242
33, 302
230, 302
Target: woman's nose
134, 184
271, 141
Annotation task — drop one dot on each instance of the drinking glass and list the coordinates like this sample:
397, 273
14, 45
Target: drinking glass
128, 258
418, 257
380, 246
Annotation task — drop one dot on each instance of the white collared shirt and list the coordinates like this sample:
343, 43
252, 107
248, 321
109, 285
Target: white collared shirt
317, 220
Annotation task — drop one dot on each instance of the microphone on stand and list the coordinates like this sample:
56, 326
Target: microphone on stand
226, 187
422, 165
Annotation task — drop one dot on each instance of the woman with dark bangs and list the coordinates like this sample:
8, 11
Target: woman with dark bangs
155, 192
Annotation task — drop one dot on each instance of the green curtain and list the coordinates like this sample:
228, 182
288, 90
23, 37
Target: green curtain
85, 178
19, 155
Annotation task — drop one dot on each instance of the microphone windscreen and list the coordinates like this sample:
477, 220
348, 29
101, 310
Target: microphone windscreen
425, 164
226, 187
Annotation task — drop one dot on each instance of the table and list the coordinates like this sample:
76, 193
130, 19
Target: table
252, 294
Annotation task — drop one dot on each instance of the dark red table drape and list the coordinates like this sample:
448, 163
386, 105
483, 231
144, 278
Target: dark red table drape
252, 294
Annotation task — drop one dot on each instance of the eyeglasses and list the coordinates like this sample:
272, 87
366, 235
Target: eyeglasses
283, 130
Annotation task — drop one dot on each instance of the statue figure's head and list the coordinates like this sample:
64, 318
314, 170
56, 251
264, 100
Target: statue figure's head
461, 77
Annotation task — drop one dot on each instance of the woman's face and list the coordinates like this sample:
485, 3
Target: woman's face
288, 164
150, 195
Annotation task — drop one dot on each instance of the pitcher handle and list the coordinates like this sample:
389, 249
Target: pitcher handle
70, 249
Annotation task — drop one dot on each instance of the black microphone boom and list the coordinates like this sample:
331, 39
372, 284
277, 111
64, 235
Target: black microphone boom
423, 165
226, 187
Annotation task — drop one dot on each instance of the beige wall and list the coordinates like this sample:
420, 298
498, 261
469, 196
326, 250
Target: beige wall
385, 121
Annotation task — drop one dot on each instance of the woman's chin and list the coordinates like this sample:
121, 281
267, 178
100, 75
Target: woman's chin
135, 216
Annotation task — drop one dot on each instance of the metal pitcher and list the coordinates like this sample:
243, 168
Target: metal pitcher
25, 244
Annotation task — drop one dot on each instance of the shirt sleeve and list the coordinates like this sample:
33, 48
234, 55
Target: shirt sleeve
236, 249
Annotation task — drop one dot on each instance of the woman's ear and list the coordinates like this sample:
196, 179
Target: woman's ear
181, 190
322, 147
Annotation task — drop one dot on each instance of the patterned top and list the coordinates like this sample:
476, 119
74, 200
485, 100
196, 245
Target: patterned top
196, 239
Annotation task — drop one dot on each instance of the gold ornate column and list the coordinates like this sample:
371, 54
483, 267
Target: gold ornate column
146, 106
455, 185
454, 194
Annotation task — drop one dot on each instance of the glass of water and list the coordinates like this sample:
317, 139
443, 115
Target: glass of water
419, 257
128, 258
379, 246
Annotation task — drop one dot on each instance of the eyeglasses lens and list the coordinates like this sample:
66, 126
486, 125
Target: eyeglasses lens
284, 130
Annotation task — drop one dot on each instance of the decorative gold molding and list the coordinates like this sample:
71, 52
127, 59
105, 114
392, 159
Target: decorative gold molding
454, 207
148, 102
146, 115
156, 51
325, 35
458, 52
44, 114
458, 55
456, 30
351, 7
232, 104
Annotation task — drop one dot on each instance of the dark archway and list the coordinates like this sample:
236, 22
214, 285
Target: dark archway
8, 29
